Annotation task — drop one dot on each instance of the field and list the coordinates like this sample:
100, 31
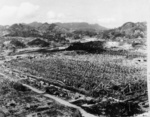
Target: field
19, 101
118, 79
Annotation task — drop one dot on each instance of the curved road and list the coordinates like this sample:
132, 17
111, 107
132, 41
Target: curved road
61, 101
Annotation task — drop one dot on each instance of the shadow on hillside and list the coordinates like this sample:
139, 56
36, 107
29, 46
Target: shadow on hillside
44, 51
90, 47
96, 47
90, 51
84, 50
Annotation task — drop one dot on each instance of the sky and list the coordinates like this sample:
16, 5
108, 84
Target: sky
107, 13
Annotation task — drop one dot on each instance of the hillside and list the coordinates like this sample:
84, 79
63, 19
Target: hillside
81, 26
128, 30
38, 42
134, 30
22, 30
64, 33
3, 30
72, 70
71, 26
35, 24
39, 29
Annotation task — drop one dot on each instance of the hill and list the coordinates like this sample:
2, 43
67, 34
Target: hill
35, 24
22, 30
128, 30
38, 43
134, 30
39, 29
63, 31
3, 30
81, 26
12, 45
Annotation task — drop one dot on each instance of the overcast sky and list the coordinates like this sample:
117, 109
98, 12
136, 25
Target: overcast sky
108, 13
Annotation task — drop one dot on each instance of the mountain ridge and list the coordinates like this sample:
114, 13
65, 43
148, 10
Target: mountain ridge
75, 29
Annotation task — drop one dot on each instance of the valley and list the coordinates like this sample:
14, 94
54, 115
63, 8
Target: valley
58, 80
51, 70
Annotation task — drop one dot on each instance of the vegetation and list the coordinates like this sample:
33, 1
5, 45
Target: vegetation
18, 101
92, 77
101, 76
39, 43
128, 30
62, 31
95, 46
17, 44
109, 72
13, 44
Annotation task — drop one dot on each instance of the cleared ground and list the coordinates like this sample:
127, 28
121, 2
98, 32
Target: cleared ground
19, 101
102, 76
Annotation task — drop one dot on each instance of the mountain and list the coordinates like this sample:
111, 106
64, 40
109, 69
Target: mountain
75, 30
134, 30
22, 30
43, 27
35, 24
46, 30
134, 26
3, 30
69, 26
81, 26
128, 30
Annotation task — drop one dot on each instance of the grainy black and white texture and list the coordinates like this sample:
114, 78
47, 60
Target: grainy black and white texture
73, 69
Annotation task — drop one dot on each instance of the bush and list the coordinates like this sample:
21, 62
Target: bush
17, 44
39, 43
13, 44
93, 46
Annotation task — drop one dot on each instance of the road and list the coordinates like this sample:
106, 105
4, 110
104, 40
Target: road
57, 99
61, 101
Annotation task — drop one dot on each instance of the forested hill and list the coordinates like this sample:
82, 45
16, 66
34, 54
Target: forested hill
128, 30
75, 30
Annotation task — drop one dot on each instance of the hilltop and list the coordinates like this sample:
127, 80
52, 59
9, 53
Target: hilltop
75, 30
128, 30
61, 34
